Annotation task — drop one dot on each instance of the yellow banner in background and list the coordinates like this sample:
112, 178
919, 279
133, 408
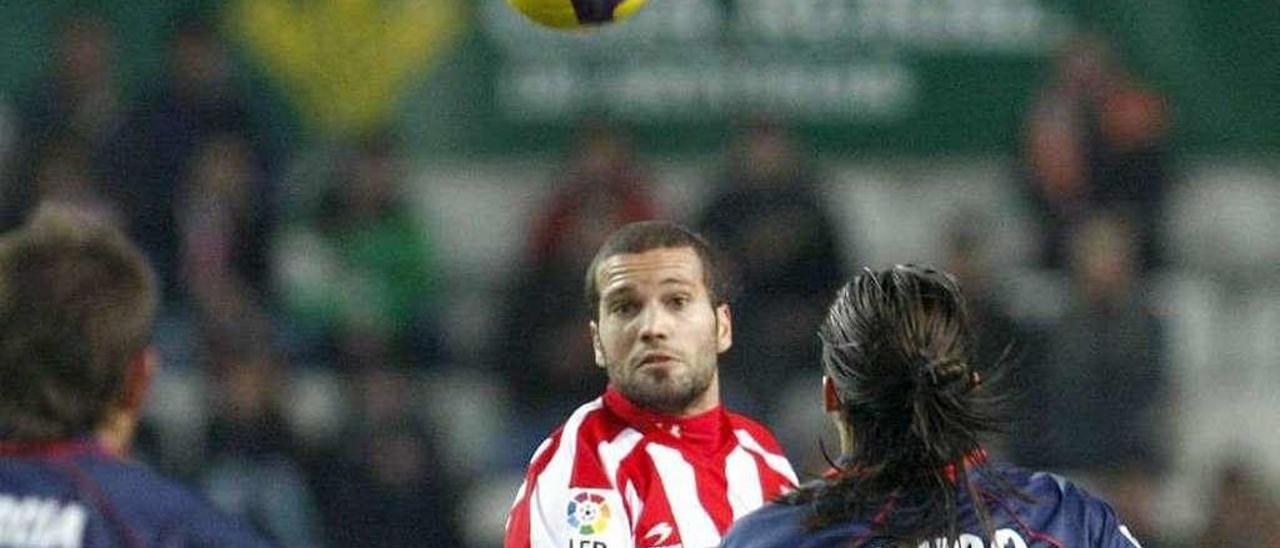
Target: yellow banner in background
346, 64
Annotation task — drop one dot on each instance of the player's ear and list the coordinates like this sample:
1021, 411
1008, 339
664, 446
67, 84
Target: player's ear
830, 400
724, 328
597, 347
137, 379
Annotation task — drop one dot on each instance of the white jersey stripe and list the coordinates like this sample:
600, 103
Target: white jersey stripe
777, 462
613, 451
681, 485
634, 503
745, 493
525, 484
554, 480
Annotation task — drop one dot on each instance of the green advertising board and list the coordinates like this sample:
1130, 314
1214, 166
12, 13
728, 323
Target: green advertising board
855, 76
919, 77
884, 74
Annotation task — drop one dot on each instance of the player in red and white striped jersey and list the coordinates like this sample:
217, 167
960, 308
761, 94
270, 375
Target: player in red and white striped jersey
656, 461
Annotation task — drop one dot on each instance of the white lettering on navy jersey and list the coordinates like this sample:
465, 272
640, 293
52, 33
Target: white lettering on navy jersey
34, 522
1005, 538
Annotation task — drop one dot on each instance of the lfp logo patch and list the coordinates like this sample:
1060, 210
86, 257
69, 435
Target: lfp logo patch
588, 513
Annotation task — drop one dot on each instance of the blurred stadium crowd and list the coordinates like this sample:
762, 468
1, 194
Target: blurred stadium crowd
362, 351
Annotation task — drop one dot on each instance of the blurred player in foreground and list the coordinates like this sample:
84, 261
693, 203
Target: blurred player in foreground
77, 302
909, 405
655, 461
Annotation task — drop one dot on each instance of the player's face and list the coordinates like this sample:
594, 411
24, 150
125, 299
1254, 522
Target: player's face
657, 333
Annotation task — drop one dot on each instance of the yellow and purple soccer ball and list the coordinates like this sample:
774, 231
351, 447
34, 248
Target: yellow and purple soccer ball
576, 14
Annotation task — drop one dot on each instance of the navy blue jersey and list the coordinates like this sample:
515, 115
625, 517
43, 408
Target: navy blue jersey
1057, 514
73, 494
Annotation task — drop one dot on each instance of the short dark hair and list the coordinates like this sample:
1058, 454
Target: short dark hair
898, 348
642, 236
77, 303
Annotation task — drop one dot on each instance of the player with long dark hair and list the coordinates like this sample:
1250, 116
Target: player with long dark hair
911, 407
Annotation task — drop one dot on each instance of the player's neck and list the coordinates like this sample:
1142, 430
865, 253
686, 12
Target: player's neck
708, 400
846, 433
115, 435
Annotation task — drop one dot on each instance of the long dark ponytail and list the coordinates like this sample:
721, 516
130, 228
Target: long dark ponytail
897, 347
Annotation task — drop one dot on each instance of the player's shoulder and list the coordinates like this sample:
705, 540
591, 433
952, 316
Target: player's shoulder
588, 425
589, 420
753, 429
1049, 486
1067, 509
774, 524
780, 525
129, 485
1046, 489
164, 507
1076, 499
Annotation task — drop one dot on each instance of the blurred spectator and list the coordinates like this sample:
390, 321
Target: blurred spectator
61, 171
1096, 139
164, 138
225, 234
386, 486
605, 188
360, 270
781, 252
68, 121
1243, 512
543, 346
83, 97
1103, 379
8, 142
251, 469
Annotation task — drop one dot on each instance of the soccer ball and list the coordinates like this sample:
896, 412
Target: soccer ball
576, 14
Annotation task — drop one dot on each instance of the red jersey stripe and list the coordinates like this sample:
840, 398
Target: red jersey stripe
627, 477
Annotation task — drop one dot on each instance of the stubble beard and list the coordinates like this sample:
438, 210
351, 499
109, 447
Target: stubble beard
665, 390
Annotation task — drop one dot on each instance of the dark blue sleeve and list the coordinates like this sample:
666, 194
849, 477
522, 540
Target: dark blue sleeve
162, 513
202, 526
771, 525
1068, 513
1100, 523
1107, 530
777, 525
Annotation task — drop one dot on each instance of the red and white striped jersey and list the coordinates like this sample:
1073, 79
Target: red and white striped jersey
619, 476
